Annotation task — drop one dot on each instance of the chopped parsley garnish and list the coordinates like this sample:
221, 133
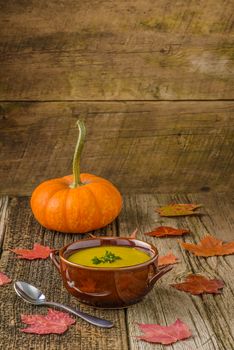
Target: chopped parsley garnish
109, 257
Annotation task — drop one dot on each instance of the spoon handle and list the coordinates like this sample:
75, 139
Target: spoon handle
89, 318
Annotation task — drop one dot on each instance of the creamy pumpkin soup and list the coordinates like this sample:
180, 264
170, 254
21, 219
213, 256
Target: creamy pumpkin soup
109, 256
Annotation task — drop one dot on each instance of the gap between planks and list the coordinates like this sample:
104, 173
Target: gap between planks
115, 101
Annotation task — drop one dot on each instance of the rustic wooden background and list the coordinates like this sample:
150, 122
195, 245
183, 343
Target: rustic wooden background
154, 81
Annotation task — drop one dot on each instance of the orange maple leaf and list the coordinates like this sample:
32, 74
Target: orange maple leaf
167, 259
163, 231
209, 246
178, 209
196, 284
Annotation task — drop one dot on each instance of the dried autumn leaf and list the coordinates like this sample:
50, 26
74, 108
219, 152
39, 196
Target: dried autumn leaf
38, 252
154, 333
133, 234
178, 209
4, 279
210, 246
167, 259
163, 231
54, 322
196, 284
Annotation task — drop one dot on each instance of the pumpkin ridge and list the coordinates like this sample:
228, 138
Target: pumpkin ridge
110, 188
65, 210
42, 209
112, 193
95, 199
48, 202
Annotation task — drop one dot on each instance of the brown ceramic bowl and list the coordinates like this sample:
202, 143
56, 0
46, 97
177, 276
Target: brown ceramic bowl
109, 287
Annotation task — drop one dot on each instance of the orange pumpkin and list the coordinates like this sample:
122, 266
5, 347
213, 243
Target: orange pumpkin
76, 203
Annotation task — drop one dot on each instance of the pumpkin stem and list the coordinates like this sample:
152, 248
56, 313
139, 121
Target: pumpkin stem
78, 150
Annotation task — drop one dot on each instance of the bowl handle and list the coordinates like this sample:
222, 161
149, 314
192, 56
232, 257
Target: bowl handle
55, 260
158, 273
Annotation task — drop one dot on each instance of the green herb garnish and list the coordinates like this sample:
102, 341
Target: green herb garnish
109, 257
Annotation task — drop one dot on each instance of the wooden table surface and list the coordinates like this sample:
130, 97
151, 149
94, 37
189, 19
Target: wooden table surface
153, 81
210, 317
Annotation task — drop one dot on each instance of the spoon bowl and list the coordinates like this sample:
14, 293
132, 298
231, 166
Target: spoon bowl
33, 295
29, 293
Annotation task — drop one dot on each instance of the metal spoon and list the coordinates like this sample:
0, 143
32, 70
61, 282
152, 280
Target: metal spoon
34, 296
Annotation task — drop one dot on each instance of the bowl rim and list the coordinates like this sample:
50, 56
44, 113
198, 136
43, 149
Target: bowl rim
122, 268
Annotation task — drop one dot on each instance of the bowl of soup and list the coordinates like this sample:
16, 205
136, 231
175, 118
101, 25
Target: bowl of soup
109, 272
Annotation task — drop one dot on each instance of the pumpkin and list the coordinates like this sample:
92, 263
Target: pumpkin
76, 203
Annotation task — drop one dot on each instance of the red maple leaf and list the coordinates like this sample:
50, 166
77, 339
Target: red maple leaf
38, 252
178, 209
54, 322
4, 279
210, 246
154, 333
163, 231
196, 284
167, 259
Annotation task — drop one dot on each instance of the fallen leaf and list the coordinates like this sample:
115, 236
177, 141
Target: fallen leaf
154, 333
4, 279
38, 252
54, 322
167, 259
163, 231
196, 284
133, 234
91, 235
210, 246
178, 209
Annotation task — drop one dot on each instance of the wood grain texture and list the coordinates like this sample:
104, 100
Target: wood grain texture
210, 318
3, 218
23, 231
140, 146
108, 50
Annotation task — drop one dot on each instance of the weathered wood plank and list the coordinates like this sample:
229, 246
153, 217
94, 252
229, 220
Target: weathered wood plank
140, 146
3, 218
210, 318
23, 231
105, 50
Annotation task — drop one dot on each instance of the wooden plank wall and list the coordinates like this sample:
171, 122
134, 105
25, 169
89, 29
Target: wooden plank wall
116, 50
154, 80
141, 147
